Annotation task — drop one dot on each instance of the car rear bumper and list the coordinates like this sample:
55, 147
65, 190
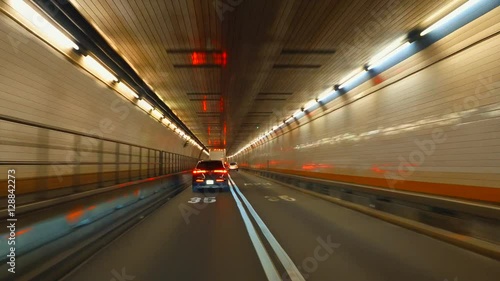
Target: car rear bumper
212, 186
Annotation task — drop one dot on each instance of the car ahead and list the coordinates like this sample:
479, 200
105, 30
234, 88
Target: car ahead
233, 166
210, 174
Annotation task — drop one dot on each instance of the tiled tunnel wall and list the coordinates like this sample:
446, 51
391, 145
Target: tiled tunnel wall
429, 124
38, 84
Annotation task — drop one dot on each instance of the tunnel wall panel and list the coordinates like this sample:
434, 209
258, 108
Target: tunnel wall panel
429, 124
38, 84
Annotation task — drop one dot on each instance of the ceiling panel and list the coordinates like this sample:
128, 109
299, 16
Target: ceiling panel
295, 47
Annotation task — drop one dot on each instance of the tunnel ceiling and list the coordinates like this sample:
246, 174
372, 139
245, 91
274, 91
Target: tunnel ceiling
231, 69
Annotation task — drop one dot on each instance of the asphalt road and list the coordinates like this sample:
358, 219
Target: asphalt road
292, 233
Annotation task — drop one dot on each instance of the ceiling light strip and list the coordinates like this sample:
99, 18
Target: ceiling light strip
43, 27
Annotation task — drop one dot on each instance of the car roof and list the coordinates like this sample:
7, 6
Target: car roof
210, 163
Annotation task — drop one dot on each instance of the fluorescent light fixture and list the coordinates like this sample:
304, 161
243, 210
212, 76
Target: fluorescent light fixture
449, 17
387, 56
325, 96
296, 113
289, 119
275, 128
448, 8
41, 24
166, 121
145, 105
156, 114
351, 77
173, 127
98, 69
387, 50
310, 104
126, 90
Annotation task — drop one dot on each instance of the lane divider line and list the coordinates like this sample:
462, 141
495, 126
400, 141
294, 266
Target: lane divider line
292, 270
264, 258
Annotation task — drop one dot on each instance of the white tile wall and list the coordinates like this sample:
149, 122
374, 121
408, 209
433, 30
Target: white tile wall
439, 88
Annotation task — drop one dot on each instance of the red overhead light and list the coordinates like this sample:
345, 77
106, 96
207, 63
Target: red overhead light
198, 58
220, 58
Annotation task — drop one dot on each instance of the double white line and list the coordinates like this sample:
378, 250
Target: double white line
269, 268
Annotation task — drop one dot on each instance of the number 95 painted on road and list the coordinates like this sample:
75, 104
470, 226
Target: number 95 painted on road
207, 200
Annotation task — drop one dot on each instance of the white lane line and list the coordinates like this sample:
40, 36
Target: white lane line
292, 270
265, 260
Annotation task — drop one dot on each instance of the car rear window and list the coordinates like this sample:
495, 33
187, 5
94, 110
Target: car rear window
233, 163
210, 165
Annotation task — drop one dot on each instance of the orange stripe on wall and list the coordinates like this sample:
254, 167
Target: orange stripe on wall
468, 192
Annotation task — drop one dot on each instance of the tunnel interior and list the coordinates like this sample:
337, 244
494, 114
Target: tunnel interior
353, 135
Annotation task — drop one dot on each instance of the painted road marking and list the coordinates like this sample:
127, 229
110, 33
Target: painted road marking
269, 269
292, 270
282, 197
272, 198
207, 200
286, 198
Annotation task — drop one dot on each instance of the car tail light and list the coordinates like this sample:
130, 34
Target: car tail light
199, 180
196, 171
219, 180
220, 171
